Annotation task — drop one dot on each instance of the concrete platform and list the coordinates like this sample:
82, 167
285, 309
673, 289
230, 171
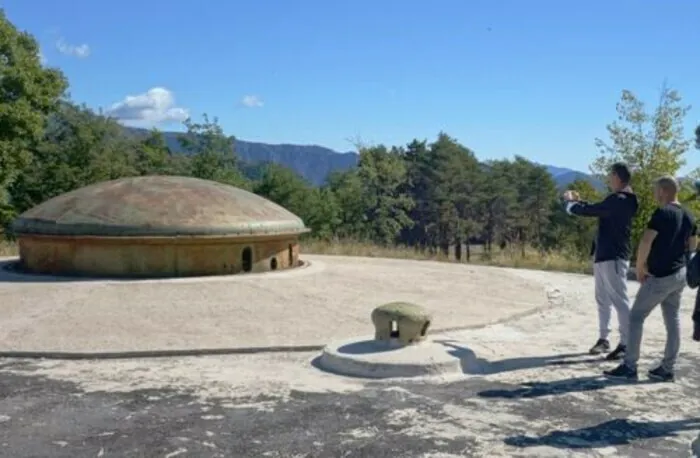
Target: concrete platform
329, 300
368, 358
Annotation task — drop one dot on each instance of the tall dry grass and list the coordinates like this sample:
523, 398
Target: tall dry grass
533, 259
8, 248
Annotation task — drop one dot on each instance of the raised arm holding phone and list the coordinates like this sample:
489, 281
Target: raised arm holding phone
612, 252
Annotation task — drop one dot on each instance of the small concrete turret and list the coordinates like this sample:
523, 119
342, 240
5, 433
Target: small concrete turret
401, 322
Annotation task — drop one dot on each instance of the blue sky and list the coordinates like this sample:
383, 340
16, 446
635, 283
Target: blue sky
539, 78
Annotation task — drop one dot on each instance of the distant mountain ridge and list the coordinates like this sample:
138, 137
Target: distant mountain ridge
564, 177
315, 163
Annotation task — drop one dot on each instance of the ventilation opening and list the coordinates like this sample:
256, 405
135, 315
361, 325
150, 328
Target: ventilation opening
394, 330
273, 264
247, 259
291, 255
425, 328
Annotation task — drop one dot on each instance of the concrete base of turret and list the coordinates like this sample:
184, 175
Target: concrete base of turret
370, 358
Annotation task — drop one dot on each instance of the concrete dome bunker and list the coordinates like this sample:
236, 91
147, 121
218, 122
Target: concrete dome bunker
157, 226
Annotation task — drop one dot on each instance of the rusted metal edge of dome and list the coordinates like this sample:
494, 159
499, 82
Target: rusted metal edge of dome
31, 226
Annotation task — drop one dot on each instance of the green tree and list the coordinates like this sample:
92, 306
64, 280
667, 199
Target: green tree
28, 94
316, 207
498, 203
372, 200
688, 194
325, 217
570, 233
211, 153
536, 191
152, 155
78, 148
382, 174
416, 157
652, 144
347, 190
454, 180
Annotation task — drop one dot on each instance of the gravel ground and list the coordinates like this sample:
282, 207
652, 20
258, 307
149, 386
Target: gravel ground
537, 394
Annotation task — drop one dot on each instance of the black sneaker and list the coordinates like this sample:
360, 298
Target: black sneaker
602, 346
622, 372
617, 354
662, 375
696, 332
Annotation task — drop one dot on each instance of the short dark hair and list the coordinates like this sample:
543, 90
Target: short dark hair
622, 171
668, 184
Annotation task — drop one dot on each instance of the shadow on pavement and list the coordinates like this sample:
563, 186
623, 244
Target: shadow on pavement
471, 364
610, 433
572, 385
11, 272
365, 347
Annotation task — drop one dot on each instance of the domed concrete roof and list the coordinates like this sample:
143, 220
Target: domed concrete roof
158, 206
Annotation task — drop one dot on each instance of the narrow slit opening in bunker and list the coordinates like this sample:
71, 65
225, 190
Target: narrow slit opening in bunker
290, 251
394, 329
273, 264
247, 259
425, 328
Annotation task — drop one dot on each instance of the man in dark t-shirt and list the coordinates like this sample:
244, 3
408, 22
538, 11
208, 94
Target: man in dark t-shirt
661, 261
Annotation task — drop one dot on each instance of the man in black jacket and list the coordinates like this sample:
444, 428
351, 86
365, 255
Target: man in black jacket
612, 252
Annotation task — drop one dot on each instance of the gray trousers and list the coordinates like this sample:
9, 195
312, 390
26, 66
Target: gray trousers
611, 291
654, 291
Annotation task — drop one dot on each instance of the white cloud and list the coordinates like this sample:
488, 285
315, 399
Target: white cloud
252, 101
42, 58
79, 51
156, 106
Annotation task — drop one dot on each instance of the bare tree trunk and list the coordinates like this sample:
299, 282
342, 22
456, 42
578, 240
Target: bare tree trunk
445, 249
521, 237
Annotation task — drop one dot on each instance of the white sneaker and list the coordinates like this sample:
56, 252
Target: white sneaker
695, 447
